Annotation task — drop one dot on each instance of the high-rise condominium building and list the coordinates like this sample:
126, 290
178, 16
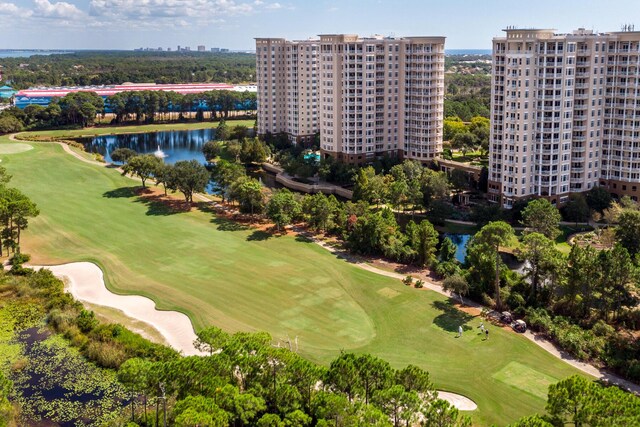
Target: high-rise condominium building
565, 114
366, 97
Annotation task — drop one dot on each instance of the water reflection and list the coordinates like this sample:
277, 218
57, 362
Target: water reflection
176, 144
460, 240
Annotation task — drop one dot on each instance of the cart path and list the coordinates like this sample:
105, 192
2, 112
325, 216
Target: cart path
542, 342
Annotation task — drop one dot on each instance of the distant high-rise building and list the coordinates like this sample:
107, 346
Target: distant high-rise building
223, 50
215, 49
201, 48
564, 114
366, 97
178, 49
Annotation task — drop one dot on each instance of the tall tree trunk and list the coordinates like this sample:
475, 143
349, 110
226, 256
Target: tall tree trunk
497, 280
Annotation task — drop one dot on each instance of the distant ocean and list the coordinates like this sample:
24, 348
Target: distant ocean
28, 53
467, 51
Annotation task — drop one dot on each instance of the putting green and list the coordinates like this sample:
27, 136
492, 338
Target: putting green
220, 273
525, 378
14, 147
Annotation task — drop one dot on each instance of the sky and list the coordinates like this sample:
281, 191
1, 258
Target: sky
129, 24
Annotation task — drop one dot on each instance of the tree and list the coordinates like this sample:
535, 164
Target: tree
222, 131
165, 175
456, 284
249, 193
441, 413
540, 216
488, 240
532, 421
15, 211
542, 260
598, 199
459, 179
211, 339
143, 166
369, 186
375, 374
447, 250
628, 230
343, 374
190, 177
10, 124
465, 141
423, 238
122, 155
480, 128
320, 210
453, 126
226, 173
211, 150
196, 411
399, 404
576, 209
283, 208
413, 378
134, 374
570, 399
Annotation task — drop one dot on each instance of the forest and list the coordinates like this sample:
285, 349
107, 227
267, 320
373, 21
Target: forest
117, 67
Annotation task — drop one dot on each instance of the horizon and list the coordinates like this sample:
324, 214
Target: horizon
233, 24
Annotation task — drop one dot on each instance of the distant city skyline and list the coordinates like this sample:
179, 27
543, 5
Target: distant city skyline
130, 24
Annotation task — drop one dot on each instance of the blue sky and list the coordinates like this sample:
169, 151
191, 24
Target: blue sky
127, 24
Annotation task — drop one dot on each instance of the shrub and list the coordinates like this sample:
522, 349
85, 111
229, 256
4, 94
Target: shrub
419, 284
86, 320
19, 259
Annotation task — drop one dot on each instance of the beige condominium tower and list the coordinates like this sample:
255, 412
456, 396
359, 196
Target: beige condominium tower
366, 97
565, 115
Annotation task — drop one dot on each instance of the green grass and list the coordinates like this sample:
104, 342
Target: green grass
525, 379
222, 274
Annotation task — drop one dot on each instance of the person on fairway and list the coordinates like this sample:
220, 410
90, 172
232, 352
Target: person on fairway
481, 326
486, 332
460, 330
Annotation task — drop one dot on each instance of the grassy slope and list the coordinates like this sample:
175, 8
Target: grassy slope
220, 274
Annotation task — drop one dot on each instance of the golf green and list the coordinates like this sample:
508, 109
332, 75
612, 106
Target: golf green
220, 273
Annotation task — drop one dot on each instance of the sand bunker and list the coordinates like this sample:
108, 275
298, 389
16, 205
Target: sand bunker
461, 402
85, 282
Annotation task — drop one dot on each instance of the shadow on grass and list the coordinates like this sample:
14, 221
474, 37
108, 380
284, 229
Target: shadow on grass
451, 318
122, 192
228, 225
303, 239
258, 236
160, 206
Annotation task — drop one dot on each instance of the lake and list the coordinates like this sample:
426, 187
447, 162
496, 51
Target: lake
176, 144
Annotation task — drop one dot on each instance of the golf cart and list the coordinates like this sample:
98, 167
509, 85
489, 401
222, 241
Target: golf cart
519, 326
506, 317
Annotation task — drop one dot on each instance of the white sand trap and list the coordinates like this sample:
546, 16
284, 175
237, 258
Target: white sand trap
14, 147
85, 282
461, 402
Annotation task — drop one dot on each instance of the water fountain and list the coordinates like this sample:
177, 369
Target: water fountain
159, 153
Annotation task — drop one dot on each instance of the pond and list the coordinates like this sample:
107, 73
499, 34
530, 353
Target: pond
460, 240
176, 144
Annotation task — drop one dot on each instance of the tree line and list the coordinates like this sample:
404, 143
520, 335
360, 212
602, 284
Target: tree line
111, 68
82, 108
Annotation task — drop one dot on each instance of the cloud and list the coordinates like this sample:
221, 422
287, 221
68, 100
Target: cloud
11, 9
57, 10
274, 6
